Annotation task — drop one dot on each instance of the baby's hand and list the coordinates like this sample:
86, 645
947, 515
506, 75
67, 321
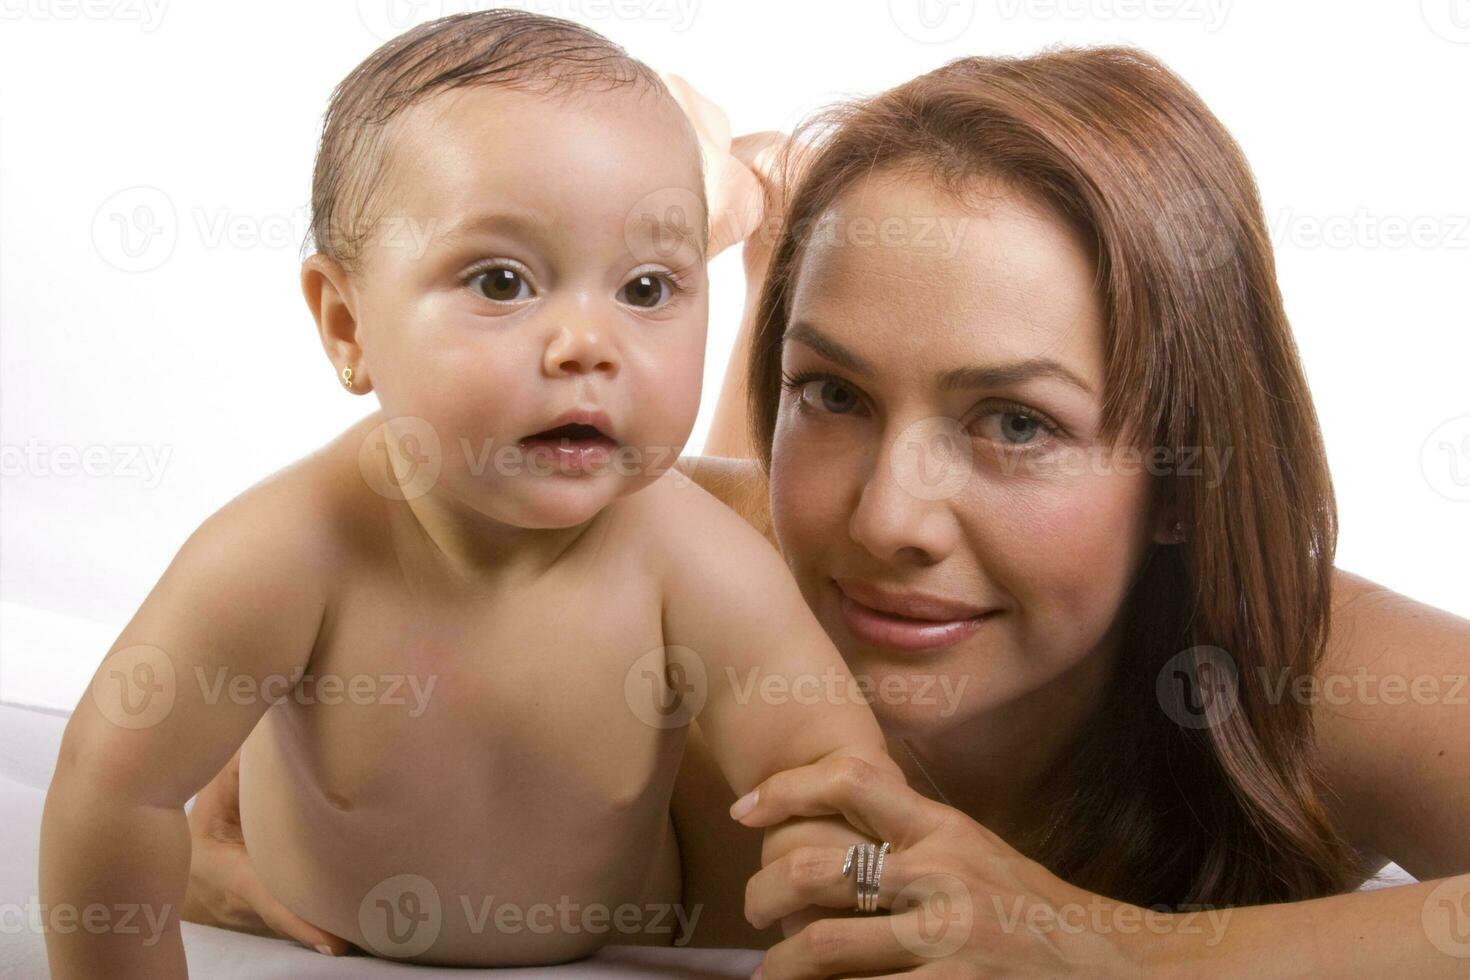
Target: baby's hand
223, 888
804, 846
736, 196
806, 851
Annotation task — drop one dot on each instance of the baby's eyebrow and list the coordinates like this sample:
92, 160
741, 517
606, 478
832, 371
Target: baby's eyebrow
526, 226
507, 221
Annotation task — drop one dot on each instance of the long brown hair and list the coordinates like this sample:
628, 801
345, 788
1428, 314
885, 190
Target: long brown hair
1198, 354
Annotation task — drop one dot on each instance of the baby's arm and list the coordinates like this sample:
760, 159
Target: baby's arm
776, 692
180, 690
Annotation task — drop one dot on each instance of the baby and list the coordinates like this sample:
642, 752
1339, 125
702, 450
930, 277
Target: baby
461, 642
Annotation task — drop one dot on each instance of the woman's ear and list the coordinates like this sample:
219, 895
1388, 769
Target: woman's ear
329, 294
1168, 528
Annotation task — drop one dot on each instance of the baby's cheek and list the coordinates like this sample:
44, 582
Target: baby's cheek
665, 403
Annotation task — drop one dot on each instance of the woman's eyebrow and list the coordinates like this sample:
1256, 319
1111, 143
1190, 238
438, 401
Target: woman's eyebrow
991, 376
1016, 372
804, 333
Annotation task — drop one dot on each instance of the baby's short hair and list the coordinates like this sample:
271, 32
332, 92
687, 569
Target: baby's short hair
510, 48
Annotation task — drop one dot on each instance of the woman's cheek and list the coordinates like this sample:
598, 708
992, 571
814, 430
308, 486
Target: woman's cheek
1065, 549
810, 481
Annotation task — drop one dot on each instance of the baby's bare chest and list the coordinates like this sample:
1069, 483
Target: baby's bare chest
540, 689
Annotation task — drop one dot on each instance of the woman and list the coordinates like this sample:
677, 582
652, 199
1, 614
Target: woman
1036, 433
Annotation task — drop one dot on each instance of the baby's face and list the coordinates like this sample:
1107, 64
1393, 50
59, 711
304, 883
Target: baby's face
536, 293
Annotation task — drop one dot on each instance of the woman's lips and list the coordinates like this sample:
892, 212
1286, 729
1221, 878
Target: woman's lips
906, 621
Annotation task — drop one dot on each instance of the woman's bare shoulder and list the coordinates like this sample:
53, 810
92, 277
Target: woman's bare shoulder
1391, 703
1371, 622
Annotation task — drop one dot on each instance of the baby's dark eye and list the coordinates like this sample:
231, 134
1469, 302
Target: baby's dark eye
501, 285
646, 292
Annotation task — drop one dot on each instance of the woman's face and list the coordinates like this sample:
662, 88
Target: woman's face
937, 482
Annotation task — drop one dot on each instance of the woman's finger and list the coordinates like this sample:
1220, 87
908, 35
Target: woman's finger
839, 948
876, 802
287, 923
813, 876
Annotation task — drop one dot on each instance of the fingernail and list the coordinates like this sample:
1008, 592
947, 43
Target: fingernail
756, 975
325, 950
744, 805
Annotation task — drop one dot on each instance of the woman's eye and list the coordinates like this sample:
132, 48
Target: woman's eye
646, 292
829, 395
502, 285
1012, 428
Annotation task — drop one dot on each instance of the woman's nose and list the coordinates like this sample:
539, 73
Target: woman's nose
903, 511
584, 348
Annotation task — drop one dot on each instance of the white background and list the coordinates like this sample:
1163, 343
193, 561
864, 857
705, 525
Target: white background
198, 355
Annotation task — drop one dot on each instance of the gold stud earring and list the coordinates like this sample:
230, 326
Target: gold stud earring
347, 377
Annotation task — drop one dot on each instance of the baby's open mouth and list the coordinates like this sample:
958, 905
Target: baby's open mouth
576, 434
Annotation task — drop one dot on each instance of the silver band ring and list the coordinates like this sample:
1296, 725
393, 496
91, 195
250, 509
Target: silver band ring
868, 859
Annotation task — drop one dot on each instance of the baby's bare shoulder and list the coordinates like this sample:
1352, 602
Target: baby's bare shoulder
676, 508
695, 537
305, 516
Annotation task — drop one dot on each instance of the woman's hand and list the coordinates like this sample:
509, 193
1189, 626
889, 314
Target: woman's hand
961, 902
223, 888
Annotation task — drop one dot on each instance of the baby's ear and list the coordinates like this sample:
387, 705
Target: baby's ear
329, 295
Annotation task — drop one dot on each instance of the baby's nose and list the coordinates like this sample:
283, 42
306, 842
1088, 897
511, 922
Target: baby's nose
581, 350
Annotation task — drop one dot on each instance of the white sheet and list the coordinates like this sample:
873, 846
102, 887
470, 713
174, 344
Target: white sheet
28, 744
29, 739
